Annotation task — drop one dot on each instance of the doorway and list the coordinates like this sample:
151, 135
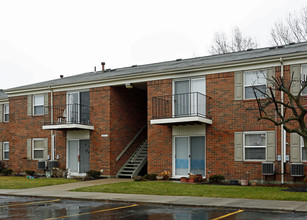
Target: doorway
78, 156
189, 155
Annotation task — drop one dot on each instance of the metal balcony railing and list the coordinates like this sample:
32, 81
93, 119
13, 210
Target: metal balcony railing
181, 105
68, 114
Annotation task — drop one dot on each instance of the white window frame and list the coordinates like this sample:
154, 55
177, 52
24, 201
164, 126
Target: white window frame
254, 84
34, 105
244, 147
302, 145
33, 149
6, 111
302, 77
4, 150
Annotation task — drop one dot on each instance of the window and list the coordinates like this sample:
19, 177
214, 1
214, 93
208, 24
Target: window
304, 78
38, 104
38, 149
6, 112
257, 79
6, 148
255, 146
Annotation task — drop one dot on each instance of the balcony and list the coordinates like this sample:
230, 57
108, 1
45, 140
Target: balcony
187, 108
70, 116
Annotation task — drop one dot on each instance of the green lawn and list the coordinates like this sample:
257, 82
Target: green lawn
10, 182
181, 189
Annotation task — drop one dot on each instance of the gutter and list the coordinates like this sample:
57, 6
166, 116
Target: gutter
282, 144
163, 74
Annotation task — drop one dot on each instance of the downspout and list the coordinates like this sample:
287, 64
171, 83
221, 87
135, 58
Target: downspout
51, 119
282, 144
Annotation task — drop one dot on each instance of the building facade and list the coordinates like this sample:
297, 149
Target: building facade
185, 116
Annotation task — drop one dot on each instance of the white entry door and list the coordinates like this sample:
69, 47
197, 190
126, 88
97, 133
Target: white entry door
78, 156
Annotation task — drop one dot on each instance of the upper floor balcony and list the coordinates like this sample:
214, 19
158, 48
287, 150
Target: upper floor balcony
186, 108
69, 116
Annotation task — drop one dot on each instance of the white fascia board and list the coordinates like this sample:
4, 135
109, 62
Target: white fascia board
4, 101
263, 62
181, 120
67, 126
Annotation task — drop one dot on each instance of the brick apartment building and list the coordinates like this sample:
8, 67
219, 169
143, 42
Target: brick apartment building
184, 116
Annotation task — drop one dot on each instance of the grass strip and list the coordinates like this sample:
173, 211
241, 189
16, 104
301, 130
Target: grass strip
10, 182
204, 190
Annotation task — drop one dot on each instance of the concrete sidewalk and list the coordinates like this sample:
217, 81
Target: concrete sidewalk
62, 191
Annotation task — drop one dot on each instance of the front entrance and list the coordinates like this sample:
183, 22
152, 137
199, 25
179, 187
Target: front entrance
78, 156
189, 155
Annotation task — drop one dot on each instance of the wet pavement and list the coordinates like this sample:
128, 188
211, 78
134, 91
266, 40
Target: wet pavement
40, 208
57, 202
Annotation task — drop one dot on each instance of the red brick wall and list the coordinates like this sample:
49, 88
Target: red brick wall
21, 128
100, 118
159, 137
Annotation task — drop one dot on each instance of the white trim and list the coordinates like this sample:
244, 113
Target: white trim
181, 120
37, 139
3, 150
4, 101
250, 64
67, 126
254, 132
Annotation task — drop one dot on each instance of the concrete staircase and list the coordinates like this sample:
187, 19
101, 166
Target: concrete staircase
135, 163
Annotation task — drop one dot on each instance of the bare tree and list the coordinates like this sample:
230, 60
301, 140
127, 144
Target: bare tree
237, 42
270, 103
292, 29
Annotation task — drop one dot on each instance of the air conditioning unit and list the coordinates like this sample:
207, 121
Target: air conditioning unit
297, 169
52, 164
41, 165
268, 169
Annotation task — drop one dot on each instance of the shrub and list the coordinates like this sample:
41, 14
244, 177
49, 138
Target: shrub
30, 172
216, 178
7, 172
305, 180
150, 177
93, 174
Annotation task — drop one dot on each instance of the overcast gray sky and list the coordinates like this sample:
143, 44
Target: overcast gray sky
40, 40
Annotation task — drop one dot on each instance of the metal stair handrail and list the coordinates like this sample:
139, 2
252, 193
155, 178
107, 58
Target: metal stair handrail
138, 152
130, 143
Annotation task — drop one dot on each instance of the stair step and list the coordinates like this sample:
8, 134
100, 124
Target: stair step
134, 163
